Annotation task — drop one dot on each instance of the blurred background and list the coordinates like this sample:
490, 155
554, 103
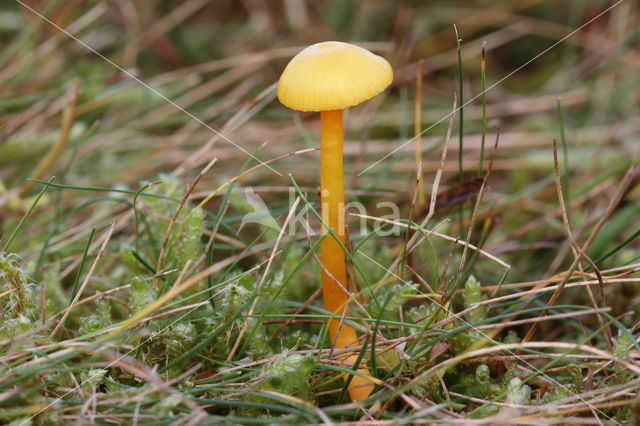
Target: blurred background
71, 107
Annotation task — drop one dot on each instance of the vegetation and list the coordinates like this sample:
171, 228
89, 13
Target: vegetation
159, 221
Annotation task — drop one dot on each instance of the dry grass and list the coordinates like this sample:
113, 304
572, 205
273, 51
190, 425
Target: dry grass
129, 296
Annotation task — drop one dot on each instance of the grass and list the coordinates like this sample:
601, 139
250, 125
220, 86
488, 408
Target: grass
128, 294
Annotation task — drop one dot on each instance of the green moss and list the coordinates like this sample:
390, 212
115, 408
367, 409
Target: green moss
517, 392
191, 246
621, 350
18, 308
395, 296
472, 295
98, 321
575, 372
142, 294
92, 380
558, 392
289, 375
55, 297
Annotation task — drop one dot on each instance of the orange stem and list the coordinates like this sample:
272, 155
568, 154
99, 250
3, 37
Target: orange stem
332, 255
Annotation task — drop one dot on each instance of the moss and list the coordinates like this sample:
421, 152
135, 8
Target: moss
559, 392
621, 350
575, 372
484, 411
182, 335
424, 313
161, 208
191, 246
387, 360
92, 380
258, 343
142, 293
18, 308
395, 296
235, 296
289, 375
98, 321
472, 295
167, 342
14, 327
517, 392
54, 294
168, 405
299, 287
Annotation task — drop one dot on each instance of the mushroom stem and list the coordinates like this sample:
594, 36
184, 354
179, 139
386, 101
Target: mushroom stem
332, 195
334, 286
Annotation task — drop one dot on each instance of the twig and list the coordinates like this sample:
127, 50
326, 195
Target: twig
515, 346
613, 203
477, 205
246, 172
437, 234
174, 292
292, 211
313, 297
177, 212
416, 239
577, 249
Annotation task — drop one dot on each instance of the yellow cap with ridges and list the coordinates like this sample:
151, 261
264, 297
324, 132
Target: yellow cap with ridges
332, 75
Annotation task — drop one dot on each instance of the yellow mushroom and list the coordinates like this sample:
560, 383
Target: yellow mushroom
329, 77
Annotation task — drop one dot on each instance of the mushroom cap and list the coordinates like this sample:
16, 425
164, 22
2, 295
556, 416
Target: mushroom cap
332, 75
